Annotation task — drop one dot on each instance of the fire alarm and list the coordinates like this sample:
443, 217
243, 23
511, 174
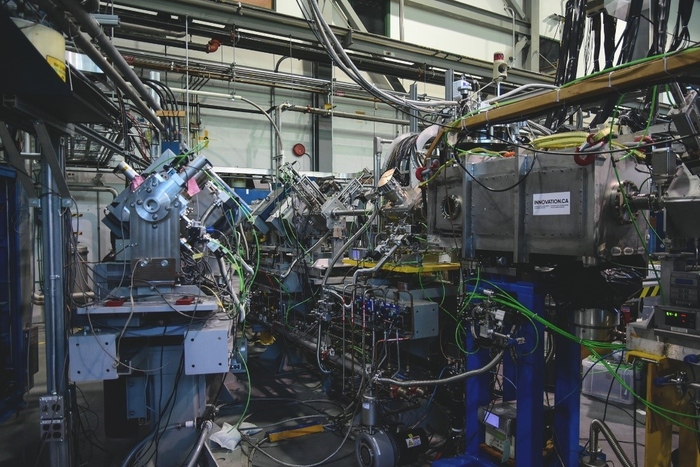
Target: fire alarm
299, 150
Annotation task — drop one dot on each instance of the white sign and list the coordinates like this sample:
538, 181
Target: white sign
551, 204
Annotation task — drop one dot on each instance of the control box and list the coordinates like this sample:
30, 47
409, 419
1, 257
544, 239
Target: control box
677, 319
685, 288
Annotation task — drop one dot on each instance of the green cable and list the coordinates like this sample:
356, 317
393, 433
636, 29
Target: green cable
626, 65
591, 346
653, 407
250, 390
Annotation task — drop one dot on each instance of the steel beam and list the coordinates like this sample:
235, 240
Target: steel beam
53, 242
355, 22
285, 26
471, 14
16, 161
532, 60
322, 125
51, 158
517, 9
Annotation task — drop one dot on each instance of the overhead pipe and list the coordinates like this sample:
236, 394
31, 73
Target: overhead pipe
353, 116
81, 40
95, 31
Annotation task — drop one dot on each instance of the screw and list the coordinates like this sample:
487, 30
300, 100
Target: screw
155, 216
139, 202
164, 263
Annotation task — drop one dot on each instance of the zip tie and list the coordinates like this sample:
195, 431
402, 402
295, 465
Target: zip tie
487, 116
666, 65
610, 79
558, 89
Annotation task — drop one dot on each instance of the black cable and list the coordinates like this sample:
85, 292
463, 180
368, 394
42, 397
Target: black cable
498, 190
680, 31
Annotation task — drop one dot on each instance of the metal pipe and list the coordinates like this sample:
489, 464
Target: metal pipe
376, 267
451, 379
347, 244
349, 212
335, 113
150, 30
402, 15
599, 426
97, 188
53, 243
93, 28
81, 40
206, 428
311, 346
310, 250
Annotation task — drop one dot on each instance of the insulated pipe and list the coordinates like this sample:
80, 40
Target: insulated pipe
599, 426
452, 379
93, 28
206, 428
347, 244
86, 46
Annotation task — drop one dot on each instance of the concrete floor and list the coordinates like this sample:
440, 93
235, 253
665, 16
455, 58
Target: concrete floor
272, 391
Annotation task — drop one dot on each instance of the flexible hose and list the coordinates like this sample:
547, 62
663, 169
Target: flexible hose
451, 379
599, 426
135, 450
206, 428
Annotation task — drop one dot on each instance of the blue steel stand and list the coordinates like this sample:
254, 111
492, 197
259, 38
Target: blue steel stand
528, 375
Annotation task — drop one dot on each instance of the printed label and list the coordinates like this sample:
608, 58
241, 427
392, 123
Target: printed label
551, 204
57, 65
412, 441
683, 330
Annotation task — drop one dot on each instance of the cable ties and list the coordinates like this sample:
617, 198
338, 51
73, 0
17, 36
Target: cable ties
666, 65
610, 79
487, 117
558, 89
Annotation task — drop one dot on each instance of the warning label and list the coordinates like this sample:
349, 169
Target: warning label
551, 204
412, 441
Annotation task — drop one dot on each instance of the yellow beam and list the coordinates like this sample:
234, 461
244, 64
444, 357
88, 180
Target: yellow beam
407, 268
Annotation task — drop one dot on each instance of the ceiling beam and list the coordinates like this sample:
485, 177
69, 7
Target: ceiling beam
285, 26
471, 14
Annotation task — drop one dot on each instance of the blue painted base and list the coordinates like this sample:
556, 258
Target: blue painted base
465, 460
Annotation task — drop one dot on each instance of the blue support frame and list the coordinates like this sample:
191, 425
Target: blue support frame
12, 337
527, 371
